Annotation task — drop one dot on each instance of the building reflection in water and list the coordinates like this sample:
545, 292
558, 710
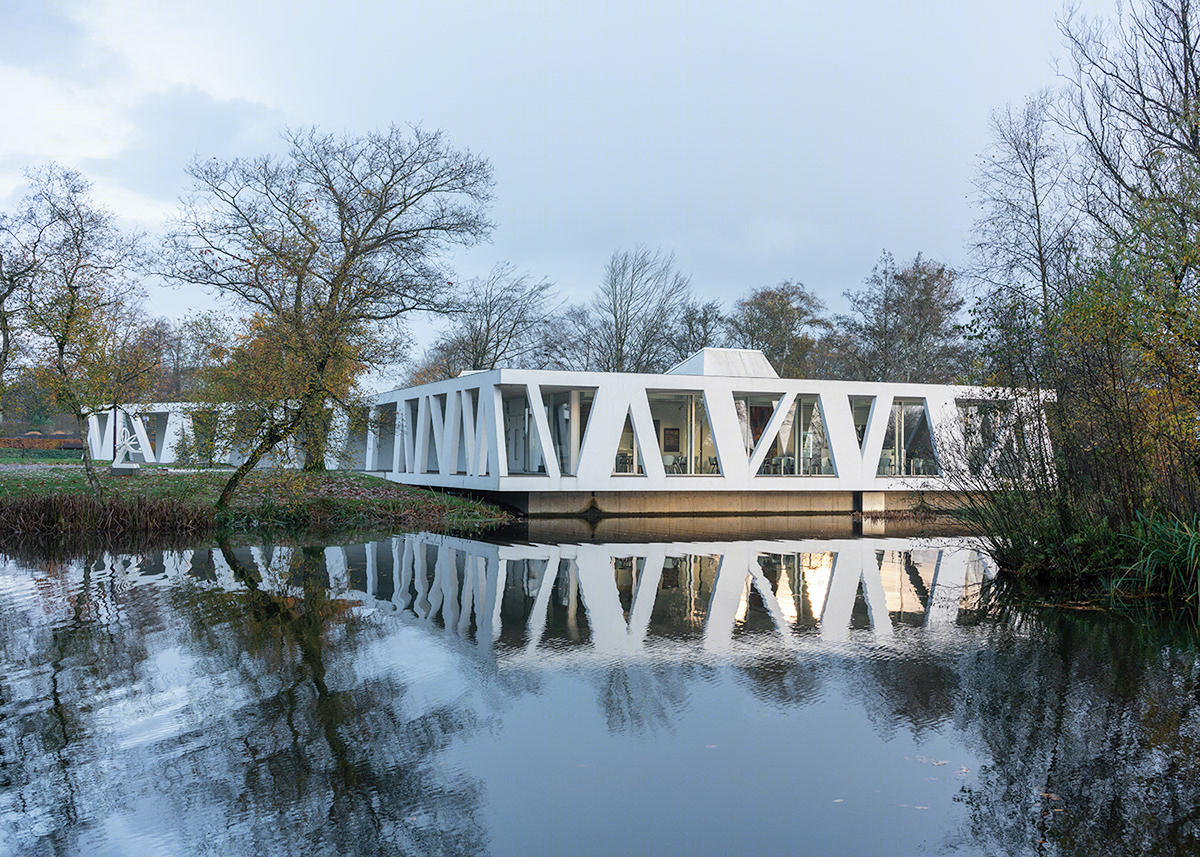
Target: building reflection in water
485, 683
615, 596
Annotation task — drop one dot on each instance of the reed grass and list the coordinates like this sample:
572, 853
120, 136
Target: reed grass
1168, 561
35, 517
49, 505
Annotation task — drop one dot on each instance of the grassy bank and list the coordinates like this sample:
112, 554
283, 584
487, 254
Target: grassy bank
44, 503
1062, 553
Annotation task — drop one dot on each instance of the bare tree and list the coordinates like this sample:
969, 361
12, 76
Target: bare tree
80, 308
1026, 236
1134, 104
641, 297
497, 320
780, 321
17, 268
573, 342
700, 325
1133, 101
903, 327
330, 247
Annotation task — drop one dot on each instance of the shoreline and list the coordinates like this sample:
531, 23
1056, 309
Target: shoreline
44, 505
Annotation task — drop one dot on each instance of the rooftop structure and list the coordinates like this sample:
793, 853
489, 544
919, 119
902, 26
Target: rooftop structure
719, 432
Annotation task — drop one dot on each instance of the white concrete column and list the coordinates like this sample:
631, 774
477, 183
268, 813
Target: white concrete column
372, 450
497, 452
949, 444
95, 437
398, 441
421, 439
143, 438
452, 433
542, 427
337, 439
574, 421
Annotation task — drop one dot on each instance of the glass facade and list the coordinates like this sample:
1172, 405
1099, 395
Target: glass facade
567, 412
684, 434
563, 409
860, 410
629, 455
520, 433
801, 448
988, 436
908, 443
753, 413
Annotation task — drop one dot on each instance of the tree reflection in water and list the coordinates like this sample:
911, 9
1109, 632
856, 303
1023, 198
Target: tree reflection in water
1093, 733
316, 700
282, 747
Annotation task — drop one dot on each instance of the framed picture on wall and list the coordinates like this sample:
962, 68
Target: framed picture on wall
671, 440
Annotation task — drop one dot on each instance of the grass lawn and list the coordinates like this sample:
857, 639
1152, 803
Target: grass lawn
267, 498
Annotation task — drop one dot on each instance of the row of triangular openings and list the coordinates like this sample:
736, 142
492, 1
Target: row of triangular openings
799, 445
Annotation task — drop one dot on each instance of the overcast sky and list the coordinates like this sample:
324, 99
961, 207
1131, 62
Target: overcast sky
759, 141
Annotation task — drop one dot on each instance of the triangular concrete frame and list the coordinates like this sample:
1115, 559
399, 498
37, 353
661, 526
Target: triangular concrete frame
775, 425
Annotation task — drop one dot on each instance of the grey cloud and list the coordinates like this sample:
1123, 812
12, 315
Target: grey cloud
176, 126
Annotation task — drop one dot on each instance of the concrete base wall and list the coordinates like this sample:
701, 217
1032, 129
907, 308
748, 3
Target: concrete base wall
874, 505
906, 501
681, 503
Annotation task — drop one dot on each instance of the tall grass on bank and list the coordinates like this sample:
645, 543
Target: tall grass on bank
1039, 536
52, 505
1167, 564
40, 517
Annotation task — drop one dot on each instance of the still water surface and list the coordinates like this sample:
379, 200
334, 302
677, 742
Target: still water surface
435, 695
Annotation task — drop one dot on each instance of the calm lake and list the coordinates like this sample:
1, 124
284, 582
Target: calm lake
426, 694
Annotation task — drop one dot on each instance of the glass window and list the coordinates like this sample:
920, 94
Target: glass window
753, 413
685, 436
801, 448
520, 433
860, 410
629, 455
908, 443
988, 437
566, 437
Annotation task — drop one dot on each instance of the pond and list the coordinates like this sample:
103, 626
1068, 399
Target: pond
428, 694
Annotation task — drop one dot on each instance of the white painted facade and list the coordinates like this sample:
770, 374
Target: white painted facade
489, 431
720, 421
152, 433
152, 430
